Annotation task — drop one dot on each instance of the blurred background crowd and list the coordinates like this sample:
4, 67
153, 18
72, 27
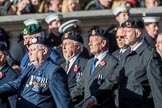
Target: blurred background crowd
18, 7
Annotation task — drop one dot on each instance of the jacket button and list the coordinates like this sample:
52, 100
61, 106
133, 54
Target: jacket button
19, 98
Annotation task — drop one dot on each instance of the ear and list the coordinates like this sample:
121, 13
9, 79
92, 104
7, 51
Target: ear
146, 27
103, 42
78, 47
138, 33
45, 50
2, 57
117, 18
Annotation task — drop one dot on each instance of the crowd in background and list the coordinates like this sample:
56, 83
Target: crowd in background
121, 69
18, 7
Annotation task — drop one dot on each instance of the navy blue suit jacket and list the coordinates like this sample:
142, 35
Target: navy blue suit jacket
31, 93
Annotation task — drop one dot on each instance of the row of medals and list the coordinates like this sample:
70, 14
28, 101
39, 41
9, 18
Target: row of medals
38, 81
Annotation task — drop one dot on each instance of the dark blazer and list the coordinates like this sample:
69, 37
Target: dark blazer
45, 87
76, 71
140, 79
8, 74
88, 85
116, 53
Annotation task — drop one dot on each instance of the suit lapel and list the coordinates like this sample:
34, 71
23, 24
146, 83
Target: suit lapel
71, 73
99, 66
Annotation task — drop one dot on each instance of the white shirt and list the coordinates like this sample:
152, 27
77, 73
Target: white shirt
72, 60
100, 57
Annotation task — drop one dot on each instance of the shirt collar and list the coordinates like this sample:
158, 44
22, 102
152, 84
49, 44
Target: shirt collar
140, 43
100, 57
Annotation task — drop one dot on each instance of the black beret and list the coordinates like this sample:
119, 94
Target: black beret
98, 32
73, 36
40, 40
32, 29
3, 47
133, 23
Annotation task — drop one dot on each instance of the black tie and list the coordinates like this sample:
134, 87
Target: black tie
67, 66
93, 65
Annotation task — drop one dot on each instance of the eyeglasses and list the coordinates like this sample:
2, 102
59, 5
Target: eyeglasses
117, 37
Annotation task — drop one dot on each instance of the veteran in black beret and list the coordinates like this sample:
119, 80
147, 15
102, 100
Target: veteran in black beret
7, 74
28, 33
97, 68
43, 84
135, 74
138, 75
72, 48
73, 25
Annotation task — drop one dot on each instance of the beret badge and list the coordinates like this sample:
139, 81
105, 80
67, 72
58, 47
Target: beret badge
34, 40
128, 24
66, 35
25, 32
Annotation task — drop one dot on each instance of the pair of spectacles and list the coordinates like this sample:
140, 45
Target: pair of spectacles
117, 37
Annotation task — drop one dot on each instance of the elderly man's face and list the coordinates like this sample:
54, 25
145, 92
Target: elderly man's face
152, 30
36, 54
159, 44
96, 45
70, 48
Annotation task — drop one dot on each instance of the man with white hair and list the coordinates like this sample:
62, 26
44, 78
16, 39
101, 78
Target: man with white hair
41, 85
72, 48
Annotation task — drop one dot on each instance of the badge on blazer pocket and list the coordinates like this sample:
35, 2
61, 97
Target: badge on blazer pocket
78, 76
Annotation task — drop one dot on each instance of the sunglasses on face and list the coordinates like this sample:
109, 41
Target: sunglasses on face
121, 37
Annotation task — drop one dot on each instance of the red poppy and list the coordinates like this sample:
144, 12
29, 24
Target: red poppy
1, 75
102, 63
76, 68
